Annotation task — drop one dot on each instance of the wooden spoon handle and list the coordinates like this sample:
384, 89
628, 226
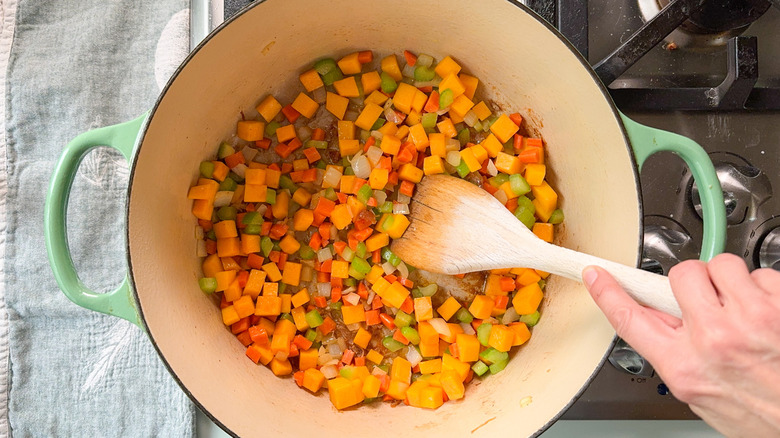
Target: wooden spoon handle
646, 288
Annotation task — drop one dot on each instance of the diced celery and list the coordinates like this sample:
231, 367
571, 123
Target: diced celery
380, 122
464, 136
479, 368
207, 169
518, 184
483, 333
286, 316
347, 254
227, 213
403, 319
335, 306
228, 185
354, 273
305, 252
253, 229
266, 245
388, 223
330, 194
391, 344
491, 355
286, 183
428, 120
424, 73
311, 335
556, 217
361, 265
211, 235
235, 177
498, 180
332, 76
349, 282
526, 216
411, 334
321, 164
348, 170
313, 318
347, 372
542, 283
252, 218
364, 193
462, 169
463, 315
361, 250
281, 290
271, 127
325, 65
208, 284
499, 366
429, 290
531, 319
270, 196
316, 144
388, 84
386, 207
445, 98
224, 150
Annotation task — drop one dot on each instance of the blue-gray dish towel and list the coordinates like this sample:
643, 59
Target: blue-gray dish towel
69, 66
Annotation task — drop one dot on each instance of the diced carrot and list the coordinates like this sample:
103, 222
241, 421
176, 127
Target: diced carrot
501, 301
315, 242
278, 230
507, 284
206, 225
318, 134
372, 317
298, 377
244, 338
387, 320
347, 356
406, 188
324, 207
517, 118
265, 143
365, 56
360, 361
530, 155
328, 325
240, 326
324, 230
335, 293
432, 104
410, 58
301, 342
398, 336
235, 159
312, 155
290, 113
320, 302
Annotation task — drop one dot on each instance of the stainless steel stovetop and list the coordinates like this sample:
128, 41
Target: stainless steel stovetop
716, 85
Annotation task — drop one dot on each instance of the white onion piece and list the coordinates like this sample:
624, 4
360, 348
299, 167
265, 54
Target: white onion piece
329, 371
403, 199
334, 350
261, 209
413, 356
370, 298
374, 154
352, 115
388, 268
441, 327
320, 177
392, 116
381, 196
323, 357
377, 135
281, 355
324, 254
223, 198
199, 233
353, 327
491, 168
421, 84
349, 290
307, 272
501, 196
378, 372
452, 144
342, 343
200, 248
323, 289
319, 95
424, 60
453, 158
403, 270
249, 153
331, 178
239, 169
304, 133
408, 71
361, 166
509, 316
400, 208
470, 118
467, 328
351, 299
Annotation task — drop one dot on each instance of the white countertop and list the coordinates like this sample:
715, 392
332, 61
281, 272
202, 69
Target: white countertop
571, 428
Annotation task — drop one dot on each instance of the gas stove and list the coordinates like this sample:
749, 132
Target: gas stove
706, 69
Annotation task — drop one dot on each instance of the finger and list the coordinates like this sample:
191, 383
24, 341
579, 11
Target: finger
731, 278
767, 279
694, 291
641, 327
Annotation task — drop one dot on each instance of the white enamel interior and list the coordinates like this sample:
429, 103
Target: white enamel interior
522, 65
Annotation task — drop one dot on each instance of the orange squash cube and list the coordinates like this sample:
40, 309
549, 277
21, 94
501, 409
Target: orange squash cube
481, 307
311, 80
337, 105
468, 347
423, 309
281, 367
268, 306
313, 379
527, 299
353, 314
269, 108
504, 128
307, 359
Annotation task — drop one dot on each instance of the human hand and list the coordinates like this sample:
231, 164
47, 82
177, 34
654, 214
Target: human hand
723, 357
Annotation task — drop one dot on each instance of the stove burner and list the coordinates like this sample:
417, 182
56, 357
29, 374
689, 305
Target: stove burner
769, 250
666, 243
713, 23
745, 188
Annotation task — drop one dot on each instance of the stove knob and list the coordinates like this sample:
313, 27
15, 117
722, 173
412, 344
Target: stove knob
625, 358
769, 251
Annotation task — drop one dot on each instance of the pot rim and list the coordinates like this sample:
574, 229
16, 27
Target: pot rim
142, 134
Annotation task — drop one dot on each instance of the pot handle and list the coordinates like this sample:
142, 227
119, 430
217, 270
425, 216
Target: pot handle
646, 141
120, 301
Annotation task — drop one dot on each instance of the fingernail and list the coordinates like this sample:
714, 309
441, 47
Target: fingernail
589, 275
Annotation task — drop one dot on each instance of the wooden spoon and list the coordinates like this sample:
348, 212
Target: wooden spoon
457, 227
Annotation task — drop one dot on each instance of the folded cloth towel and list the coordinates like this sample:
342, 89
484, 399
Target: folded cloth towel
75, 65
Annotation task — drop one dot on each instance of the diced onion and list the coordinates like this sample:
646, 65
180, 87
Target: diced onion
320, 177
200, 249
361, 167
353, 327
374, 154
392, 116
378, 372
403, 199
261, 209
408, 71
470, 118
331, 178
351, 299
403, 270
329, 371
349, 290
452, 144
377, 135
323, 357
324, 254
501, 196
351, 115
381, 196
342, 343
467, 328
199, 232
249, 154
370, 298
400, 208
319, 95
334, 350
413, 356
239, 169
509, 316
441, 327
491, 168
453, 158
304, 133
323, 289
223, 198
388, 268
424, 60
